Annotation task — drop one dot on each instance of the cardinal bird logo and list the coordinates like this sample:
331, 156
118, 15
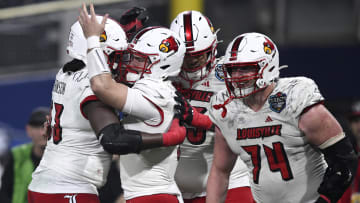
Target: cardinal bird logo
168, 44
103, 37
268, 46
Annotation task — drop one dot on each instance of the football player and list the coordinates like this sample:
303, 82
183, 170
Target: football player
200, 79
296, 151
85, 132
155, 55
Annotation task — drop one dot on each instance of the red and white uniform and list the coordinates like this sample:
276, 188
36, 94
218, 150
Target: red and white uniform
151, 171
197, 150
73, 161
284, 167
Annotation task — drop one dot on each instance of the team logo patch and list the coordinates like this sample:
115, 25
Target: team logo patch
277, 102
103, 37
168, 44
219, 73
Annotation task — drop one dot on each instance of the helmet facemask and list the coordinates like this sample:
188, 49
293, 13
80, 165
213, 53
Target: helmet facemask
116, 62
241, 79
197, 65
135, 65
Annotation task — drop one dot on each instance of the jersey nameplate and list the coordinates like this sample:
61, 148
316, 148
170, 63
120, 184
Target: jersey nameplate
258, 132
198, 95
59, 87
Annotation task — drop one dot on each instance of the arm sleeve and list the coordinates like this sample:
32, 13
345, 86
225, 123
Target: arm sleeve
137, 105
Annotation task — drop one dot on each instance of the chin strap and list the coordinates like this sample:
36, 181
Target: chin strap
223, 106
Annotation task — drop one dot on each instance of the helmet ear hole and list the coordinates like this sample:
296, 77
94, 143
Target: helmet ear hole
165, 67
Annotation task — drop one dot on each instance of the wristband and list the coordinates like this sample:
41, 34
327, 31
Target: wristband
96, 63
93, 42
201, 121
175, 135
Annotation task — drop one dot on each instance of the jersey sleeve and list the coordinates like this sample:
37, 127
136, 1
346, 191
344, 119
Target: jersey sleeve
86, 96
139, 105
303, 94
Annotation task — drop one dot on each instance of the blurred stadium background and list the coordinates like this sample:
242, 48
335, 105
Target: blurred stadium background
316, 38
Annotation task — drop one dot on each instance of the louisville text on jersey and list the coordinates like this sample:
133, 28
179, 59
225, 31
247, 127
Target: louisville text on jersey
258, 132
198, 95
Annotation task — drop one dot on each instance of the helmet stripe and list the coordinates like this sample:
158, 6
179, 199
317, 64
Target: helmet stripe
235, 47
142, 32
189, 41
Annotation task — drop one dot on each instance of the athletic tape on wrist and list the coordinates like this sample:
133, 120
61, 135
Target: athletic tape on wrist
96, 63
93, 42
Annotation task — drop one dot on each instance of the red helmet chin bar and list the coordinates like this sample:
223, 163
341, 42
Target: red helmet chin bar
238, 86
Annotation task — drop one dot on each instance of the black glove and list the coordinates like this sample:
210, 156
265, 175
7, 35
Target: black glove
336, 180
183, 108
133, 20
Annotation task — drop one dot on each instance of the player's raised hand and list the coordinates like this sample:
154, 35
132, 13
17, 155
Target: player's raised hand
89, 23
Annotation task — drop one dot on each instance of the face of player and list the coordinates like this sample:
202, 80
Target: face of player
137, 63
194, 62
244, 76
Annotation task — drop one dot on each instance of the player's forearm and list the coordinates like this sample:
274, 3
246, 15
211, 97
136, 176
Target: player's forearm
108, 91
100, 83
216, 186
150, 141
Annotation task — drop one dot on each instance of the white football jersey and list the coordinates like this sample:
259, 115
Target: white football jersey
73, 161
197, 150
151, 171
284, 167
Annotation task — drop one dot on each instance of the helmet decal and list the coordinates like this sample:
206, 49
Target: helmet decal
268, 46
235, 47
189, 39
168, 44
103, 37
